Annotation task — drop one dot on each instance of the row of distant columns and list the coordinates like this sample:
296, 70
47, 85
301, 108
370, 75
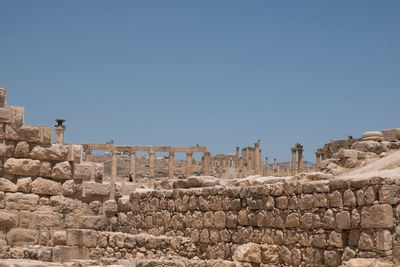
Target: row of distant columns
299, 149
132, 155
250, 160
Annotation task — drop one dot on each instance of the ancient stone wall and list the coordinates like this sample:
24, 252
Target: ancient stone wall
321, 222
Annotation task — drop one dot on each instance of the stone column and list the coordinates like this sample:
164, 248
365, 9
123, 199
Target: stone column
171, 160
243, 162
132, 155
261, 163
293, 164
88, 154
275, 169
3, 97
151, 168
114, 160
317, 160
237, 157
256, 158
206, 163
266, 166
189, 160
300, 164
249, 158
60, 128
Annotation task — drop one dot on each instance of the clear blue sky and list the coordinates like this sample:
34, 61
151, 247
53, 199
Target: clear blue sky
215, 73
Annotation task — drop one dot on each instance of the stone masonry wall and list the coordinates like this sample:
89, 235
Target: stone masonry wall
321, 222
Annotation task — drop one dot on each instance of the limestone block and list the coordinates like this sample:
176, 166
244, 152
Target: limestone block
335, 239
84, 170
332, 258
292, 220
19, 201
21, 150
281, 202
68, 253
377, 216
12, 115
59, 237
335, 199
391, 134
365, 242
319, 240
384, 240
62, 170
389, 194
45, 169
249, 252
306, 221
110, 207
22, 237
124, 204
46, 187
23, 167
8, 219
269, 253
69, 188
53, 152
95, 222
89, 238
74, 153
219, 219
47, 219
24, 184
328, 221
7, 186
369, 146
95, 189
343, 220
202, 181
349, 199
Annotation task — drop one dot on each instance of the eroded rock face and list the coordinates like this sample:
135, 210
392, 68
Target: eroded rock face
373, 136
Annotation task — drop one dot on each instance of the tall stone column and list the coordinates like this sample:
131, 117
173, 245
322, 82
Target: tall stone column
300, 164
317, 160
189, 160
152, 164
60, 128
249, 158
275, 169
260, 160
206, 163
256, 158
244, 161
171, 160
3, 97
132, 155
237, 158
266, 166
114, 160
293, 164
88, 154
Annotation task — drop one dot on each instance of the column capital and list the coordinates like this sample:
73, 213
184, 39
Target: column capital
114, 152
151, 152
207, 153
293, 149
189, 153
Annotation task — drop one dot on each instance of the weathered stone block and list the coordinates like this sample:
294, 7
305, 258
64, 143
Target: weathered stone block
384, 240
46, 187
292, 220
365, 242
24, 184
19, 201
59, 237
249, 252
54, 152
97, 222
21, 150
23, 167
343, 220
6, 150
377, 216
219, 219
62, 170
7, 186
335, 199
349, 199
21, 237
389, 194
8, 219
110, 207
95, 189
47, 219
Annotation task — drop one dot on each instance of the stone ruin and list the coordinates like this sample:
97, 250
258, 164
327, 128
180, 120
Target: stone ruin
57, 210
